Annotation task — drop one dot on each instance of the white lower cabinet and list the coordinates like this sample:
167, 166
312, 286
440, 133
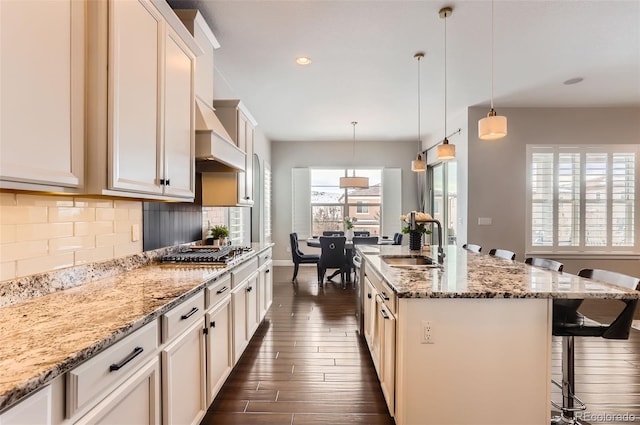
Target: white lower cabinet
183, 369
253, 318
34, 410
135, 402
239, 305
219, 350
265, 283
380, 334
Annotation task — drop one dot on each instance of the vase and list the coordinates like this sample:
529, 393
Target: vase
349, 234
415, 240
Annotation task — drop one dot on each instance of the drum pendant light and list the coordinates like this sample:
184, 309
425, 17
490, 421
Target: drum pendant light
354, 182
445, 151
493, 126
419, 164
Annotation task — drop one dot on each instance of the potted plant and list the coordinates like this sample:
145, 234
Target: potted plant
219, 233
421, 228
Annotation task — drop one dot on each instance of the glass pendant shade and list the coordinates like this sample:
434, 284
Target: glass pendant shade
492, 127
419, 164
354, 182
445, 151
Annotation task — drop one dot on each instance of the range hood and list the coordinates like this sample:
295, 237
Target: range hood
215, 150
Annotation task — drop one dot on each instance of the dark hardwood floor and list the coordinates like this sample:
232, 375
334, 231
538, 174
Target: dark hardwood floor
307, 364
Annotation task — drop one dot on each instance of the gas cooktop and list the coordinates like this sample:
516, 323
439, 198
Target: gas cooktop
206, 255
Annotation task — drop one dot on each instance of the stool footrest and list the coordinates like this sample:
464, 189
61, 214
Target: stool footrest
581, 405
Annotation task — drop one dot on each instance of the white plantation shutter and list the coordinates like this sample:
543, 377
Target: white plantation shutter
582, 198
623, 199
301, 197
542, 184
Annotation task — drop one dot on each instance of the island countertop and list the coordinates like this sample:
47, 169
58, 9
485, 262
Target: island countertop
465, 274
46, 336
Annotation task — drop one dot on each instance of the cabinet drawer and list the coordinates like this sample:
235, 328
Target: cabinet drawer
181, 317
241, 273
103, 372
387, 294
217, 290
264, 257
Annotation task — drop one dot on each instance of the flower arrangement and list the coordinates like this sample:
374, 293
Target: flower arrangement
349, 222
421, 227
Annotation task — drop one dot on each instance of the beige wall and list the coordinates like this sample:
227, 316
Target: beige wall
288, 155
39, 233
497, 170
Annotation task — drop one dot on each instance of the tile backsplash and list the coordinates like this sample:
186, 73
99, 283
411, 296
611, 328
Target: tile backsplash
39, 233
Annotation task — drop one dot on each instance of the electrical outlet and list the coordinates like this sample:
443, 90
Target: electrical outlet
427, 332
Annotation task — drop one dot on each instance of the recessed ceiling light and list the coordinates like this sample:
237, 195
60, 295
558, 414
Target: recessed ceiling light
573, 81
303, 60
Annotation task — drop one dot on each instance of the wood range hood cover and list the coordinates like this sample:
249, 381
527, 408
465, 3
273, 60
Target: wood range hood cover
215, 150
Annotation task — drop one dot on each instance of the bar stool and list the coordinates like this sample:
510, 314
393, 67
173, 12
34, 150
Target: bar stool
472, 247
503, 253
567, 323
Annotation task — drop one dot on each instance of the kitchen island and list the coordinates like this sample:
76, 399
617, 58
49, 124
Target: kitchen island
468, 342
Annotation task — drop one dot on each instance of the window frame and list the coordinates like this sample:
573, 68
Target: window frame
582, 251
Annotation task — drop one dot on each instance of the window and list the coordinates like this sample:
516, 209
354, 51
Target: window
330, 204
361, 208
236, 234
582, 198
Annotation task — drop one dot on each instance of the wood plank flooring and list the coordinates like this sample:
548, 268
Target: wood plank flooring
307, 364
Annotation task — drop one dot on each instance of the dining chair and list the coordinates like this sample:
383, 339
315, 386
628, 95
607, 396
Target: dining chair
333, 233
365, 240
472, 247
361, 233
503, 253
397, 238
569, 323
332, 256
300, 257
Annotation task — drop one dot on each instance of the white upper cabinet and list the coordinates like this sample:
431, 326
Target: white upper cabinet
141, 116
42, 95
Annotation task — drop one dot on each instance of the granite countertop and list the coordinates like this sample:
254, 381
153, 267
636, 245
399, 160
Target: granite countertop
44, 337
466, 274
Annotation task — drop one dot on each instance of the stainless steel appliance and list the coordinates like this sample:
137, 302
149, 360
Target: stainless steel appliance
359, 281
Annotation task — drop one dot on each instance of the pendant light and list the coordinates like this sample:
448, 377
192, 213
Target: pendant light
492, 127
445, 151
419, 164
354, 182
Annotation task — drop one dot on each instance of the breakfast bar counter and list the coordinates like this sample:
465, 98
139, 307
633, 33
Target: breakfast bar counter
468, 341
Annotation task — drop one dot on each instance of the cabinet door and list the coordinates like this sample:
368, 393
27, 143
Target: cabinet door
388, 344
219, 350
42, 93
34, 410
136, 401
248, 175
136, 29
378, 335
239, 306
252, 305
183, 376
179, 124
369, 307
242, 144
267, 288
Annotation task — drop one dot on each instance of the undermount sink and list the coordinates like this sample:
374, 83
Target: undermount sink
408, 261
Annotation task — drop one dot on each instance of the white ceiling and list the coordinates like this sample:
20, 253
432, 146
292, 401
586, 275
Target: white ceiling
363, 67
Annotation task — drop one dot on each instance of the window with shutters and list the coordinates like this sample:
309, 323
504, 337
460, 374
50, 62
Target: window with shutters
582, 199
